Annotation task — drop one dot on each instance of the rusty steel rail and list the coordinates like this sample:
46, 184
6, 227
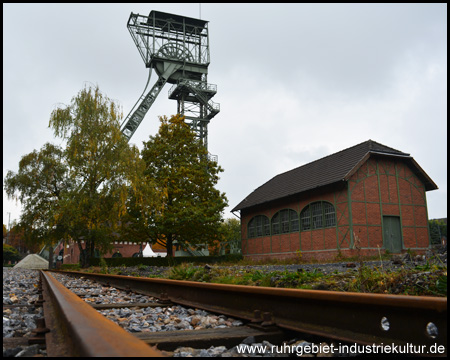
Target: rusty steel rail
76, 329
351, 317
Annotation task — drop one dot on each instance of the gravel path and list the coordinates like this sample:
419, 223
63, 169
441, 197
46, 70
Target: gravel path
19, 288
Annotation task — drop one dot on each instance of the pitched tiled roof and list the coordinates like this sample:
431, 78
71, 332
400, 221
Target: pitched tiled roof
325, 171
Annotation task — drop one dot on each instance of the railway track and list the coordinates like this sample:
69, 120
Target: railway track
75, 328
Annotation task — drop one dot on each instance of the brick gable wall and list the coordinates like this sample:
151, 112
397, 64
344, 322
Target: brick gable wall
380, 187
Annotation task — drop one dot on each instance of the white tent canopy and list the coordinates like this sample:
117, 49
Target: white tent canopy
148, 252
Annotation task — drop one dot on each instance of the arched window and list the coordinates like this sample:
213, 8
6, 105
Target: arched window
258, 226
284, 221
318, 215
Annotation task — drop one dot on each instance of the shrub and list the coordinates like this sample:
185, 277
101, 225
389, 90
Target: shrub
10, 253
164, 261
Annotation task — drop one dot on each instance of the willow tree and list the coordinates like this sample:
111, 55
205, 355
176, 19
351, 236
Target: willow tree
102, 168
178, 167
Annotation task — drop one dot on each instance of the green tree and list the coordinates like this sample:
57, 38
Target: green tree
78, 192
5, 231
39, 185
232, 235
438, 228
10, 254
190, 207
141, 203
102, 166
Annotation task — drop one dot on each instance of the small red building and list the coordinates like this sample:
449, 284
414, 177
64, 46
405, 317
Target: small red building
69, 251
360, 200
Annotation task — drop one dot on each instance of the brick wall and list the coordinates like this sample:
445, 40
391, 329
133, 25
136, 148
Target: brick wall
380, 187
389, 189
72, 252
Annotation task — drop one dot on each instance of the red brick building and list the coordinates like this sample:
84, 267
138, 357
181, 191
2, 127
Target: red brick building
359, 200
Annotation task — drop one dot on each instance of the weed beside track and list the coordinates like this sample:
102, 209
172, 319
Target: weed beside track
428, 280
400, 276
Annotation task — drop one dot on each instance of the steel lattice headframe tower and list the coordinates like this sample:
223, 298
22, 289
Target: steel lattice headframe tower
177, 48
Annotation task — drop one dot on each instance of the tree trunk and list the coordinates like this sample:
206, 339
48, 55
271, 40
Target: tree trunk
50, 256
91, 249
169, 246
84, 255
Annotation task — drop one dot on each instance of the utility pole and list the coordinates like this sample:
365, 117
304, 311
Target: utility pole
9, 227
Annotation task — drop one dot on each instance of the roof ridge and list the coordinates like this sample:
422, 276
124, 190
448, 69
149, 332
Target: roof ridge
328, 169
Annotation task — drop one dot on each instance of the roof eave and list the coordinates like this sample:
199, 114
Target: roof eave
432, 184
239, 208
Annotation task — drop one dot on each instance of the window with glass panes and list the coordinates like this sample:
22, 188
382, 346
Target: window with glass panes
329, 215
318, 215
258, 226
305, 218
284, 221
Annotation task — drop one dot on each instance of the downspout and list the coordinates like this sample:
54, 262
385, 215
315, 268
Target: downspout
350, 217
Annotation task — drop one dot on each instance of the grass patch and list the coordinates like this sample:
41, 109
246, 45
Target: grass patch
428, 278
432, 282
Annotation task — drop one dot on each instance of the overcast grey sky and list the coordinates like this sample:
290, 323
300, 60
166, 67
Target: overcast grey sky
296, 82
